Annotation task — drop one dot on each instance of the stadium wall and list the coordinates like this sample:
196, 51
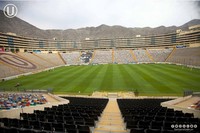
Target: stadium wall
16, 43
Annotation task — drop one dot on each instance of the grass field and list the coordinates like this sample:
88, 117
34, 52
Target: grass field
148, 79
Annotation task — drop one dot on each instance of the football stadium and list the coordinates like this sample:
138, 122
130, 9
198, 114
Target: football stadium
138, 84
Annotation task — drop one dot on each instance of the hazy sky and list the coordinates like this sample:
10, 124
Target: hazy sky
65, 14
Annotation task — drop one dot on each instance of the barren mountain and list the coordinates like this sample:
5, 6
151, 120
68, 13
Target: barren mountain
20, 27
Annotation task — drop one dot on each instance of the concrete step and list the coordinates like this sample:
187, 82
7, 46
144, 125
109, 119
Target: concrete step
111, 120
99, 130
104, 122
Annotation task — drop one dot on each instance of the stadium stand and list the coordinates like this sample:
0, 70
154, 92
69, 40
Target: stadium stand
187, 56
142, 56
147, 115
160, 55
40, 62
52, 58
78, 116
123, 57
82, 114
7, 70
14, 64
86, 57
19, 100
102, 57
71, 58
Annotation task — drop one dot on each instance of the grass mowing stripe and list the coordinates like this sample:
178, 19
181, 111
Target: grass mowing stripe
150, 80
55, 79
34, 81
108, 79
86, 79
112, 77
118, 82
185, 81
51, 76
162, 81
183, 69
177, 76
128, 79
70, 79
142, 85
97, 81
94, 80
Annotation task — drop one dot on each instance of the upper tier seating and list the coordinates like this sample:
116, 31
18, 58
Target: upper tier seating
142, 56
6, 71
187, 56
86, 57
102, 57
123, 56
52, 58
13, 64
160, 55
71, 58
40, 62
146, 115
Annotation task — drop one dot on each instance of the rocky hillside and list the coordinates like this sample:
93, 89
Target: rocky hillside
20, 27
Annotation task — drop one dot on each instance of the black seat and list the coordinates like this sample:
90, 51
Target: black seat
189, 115
14, 123
10, 130
89, 122
32, 117
83, 129
170, 119
148, 118
193, 120
156, 124
131, 124
70, 128
159, 118
46, 126
24, 116
24, 124
179, 114
144, 124
5, 121
79, 120
160, 114
25, 131
50, 118
35, 125
137, 130
59, 119
152, 131
138, 117
181, 119
168, 125
58, 127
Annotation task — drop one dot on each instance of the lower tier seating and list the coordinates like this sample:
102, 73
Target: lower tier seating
76, 117
148, 116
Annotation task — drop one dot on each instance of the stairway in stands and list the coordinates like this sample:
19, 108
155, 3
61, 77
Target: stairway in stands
111, 120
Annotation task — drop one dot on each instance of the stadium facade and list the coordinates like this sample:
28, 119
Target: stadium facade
12, 42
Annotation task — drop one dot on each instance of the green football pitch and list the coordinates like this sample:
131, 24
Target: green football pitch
147, 79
